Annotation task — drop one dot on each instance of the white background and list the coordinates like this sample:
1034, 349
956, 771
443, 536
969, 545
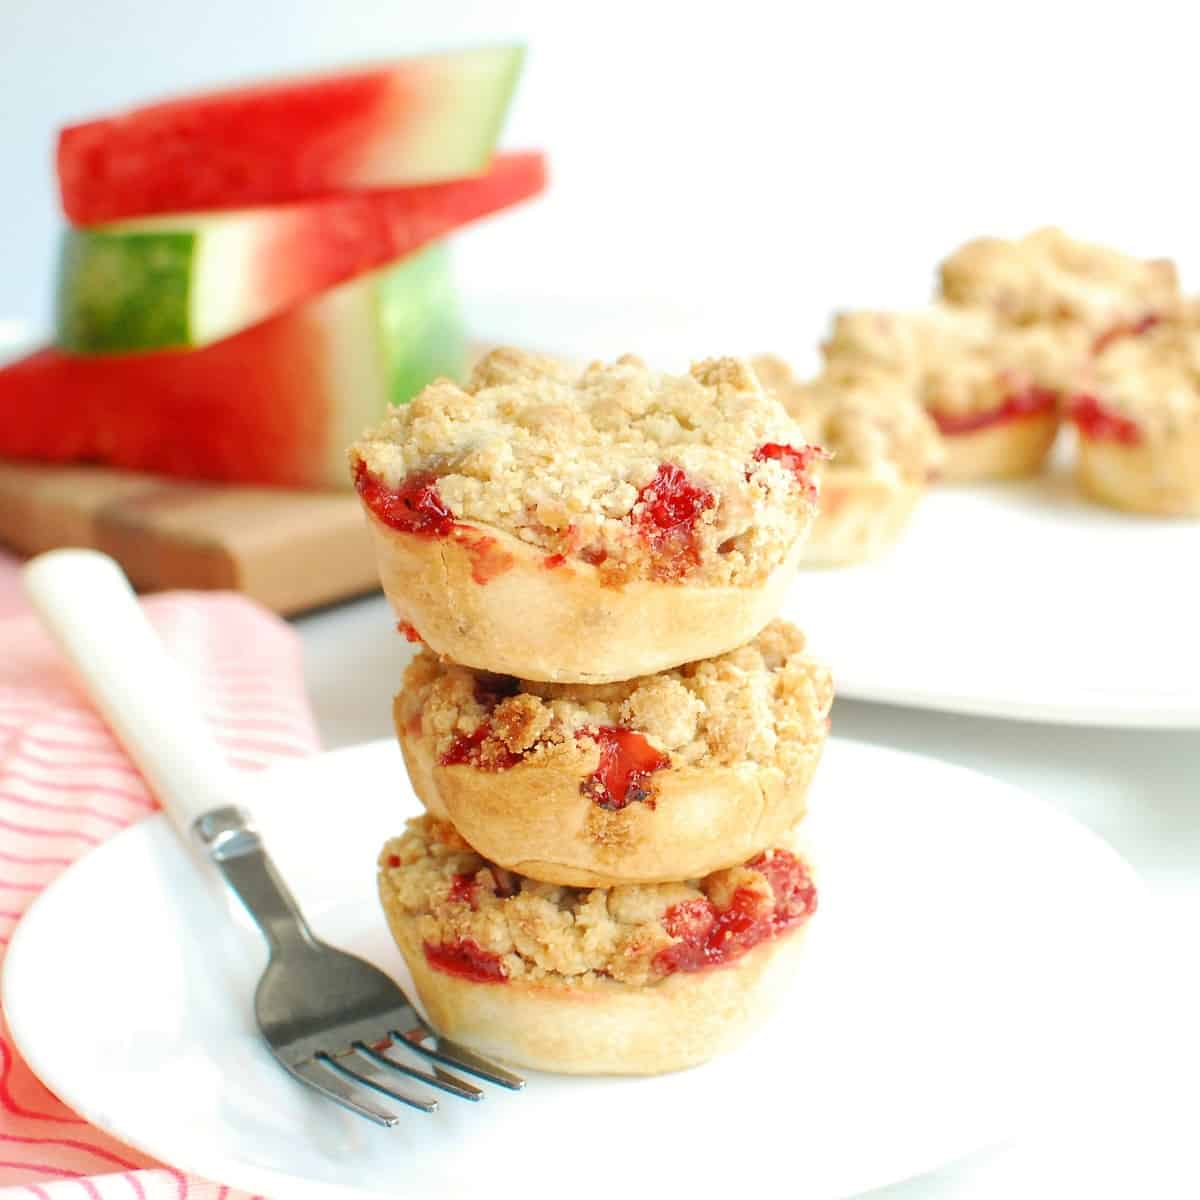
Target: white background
751, 166
761, 162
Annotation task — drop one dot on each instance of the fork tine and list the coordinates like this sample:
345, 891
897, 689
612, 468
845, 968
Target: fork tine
372, 1080
437, 1078
454, 1055
332, 1085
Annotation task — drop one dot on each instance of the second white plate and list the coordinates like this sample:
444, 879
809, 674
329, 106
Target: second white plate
1018, 600
971, 952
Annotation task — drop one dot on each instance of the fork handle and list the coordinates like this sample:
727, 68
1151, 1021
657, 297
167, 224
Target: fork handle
87, 604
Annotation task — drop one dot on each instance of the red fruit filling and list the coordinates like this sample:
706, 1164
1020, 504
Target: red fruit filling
711, 937
467, 959
464, 889
1124, 329
409, 631
668, 509
798, 460
1102, 424
1026, 403
415, 507
488, 559
553, 560
626, 762
468, 749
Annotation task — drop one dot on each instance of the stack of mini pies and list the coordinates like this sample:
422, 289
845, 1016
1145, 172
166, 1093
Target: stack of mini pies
612, 737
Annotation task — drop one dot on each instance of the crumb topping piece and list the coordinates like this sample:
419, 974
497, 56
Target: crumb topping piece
643, 474
499, 926
958, 362
766, 703
1142, 388
1047, 276
869, 420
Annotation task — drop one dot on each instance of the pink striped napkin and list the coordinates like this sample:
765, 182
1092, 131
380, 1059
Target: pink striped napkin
65, 786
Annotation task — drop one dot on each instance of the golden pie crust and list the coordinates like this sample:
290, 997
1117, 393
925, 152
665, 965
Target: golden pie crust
1159, 479
608, 1028
564, 623
1009, 449
735, 741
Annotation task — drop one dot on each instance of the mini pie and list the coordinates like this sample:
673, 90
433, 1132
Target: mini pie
637, 979
670, 776
992, 390
1137, 413
1047, 276
884, 449
587, 527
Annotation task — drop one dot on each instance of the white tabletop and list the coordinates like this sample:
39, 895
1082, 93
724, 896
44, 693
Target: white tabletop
1138, 789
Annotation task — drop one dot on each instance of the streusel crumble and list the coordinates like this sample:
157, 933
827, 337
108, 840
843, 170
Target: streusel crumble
765, 703
1145, 388
868, 420
479, 922
643, 475
1047, 276
961, 365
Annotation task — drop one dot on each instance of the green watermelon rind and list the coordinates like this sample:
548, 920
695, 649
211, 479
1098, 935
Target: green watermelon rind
120, 292
421, 330
388, 335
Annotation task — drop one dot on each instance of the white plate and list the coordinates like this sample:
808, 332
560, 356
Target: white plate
968, 950
1018, 600
1009, 600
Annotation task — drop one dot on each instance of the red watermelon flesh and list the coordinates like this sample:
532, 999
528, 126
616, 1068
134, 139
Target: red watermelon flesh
190, 279
276, 404
416, 121
322, 243
255, 403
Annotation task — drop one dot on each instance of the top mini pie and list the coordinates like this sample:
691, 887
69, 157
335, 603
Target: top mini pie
543, 523
1048, 276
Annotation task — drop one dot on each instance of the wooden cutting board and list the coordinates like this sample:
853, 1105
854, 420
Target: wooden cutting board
290, 550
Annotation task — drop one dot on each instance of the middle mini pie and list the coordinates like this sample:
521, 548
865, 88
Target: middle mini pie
664, 777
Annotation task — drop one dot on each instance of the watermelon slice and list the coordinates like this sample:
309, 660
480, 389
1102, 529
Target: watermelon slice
179, 281
415, 121
276, 404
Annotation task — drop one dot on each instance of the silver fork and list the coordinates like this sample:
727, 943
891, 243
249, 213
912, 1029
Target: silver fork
331, 1019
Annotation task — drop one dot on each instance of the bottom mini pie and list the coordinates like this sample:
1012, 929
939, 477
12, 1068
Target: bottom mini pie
669, 776
632, 980
1138, 419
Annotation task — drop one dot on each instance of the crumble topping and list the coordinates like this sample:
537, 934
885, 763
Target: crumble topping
765, 702
956, 361
869, 420
639, 473
1047, 276
540, 932
1152, 380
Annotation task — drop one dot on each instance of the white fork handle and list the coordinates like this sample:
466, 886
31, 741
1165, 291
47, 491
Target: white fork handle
87, 604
